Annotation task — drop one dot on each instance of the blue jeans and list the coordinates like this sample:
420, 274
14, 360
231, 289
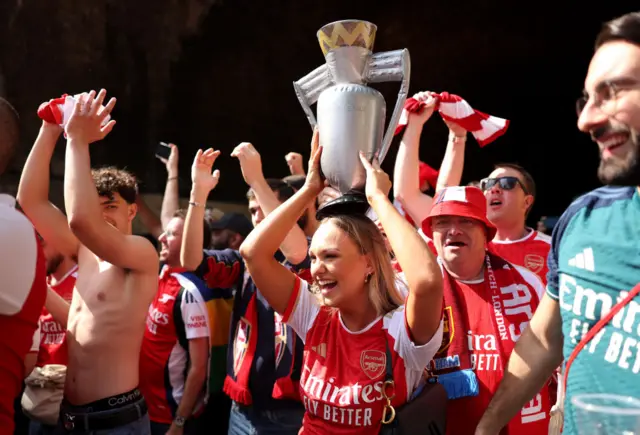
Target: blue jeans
193, 427
244, 420
37, 428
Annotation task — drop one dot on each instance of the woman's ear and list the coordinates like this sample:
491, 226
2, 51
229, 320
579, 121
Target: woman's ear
370, 268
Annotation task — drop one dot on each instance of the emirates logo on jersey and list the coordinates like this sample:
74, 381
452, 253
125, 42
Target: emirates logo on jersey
534, 262
373, 363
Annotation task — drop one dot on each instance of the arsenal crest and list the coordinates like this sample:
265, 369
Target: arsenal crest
240, 344
281, 338
448, 330
373, 363
534, 262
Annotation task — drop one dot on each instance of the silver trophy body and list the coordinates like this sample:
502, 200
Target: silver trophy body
350, 114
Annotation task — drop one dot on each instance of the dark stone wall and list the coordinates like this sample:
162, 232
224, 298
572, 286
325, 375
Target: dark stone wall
215, 73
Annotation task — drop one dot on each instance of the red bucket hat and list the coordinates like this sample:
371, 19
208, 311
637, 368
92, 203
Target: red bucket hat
464, 201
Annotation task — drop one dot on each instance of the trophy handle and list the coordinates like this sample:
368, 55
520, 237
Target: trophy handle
391, 66
309, 88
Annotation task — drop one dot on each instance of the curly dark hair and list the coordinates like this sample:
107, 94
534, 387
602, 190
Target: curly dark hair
110, 180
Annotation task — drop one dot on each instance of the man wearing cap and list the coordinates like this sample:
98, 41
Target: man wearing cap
509, 191
229, 231
487, 304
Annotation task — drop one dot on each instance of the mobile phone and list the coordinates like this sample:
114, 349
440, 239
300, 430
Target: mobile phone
163, 150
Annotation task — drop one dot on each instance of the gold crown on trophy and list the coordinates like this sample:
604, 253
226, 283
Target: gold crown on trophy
347, 33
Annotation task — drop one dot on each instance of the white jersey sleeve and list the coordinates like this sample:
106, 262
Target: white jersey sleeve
18, 257
194, 316
302, 309
415, 357
35, 344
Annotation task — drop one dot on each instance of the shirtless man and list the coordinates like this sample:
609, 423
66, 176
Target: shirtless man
117, 278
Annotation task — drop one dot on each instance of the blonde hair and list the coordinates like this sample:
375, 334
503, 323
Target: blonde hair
383, 292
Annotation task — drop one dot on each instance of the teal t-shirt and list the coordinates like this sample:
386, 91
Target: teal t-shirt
593, 263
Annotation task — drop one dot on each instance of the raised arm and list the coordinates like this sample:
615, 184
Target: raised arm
274, 280
423, 276
33, 194
202, 183
294, 246
57, 306
294, 162
81, 197
171, 198
406, 181
149, 219
453, 160
537, 354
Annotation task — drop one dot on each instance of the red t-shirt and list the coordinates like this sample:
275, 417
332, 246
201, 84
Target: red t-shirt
531, 252
485, 360
24, 289
343, 371
163, 360
53, 344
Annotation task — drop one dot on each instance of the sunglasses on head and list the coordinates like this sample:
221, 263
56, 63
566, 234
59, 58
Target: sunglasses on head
505, 183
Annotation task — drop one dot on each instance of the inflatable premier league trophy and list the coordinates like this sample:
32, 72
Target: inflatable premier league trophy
351, 115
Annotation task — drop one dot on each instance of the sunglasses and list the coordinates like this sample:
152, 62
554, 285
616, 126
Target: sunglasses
505, 183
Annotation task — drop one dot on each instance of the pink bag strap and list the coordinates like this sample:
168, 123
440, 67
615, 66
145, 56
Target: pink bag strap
595, 329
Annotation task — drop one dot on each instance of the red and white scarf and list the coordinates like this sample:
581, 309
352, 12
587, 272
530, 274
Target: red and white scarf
485, 128
511, 303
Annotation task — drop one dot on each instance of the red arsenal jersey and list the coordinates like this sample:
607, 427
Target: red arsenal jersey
485, 361
163, 360
531, 252
24, 289
343, 371
53, 346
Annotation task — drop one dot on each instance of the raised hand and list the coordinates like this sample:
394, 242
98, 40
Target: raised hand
85, 124
314, 180
172, 162
456, 129
250, 163
378, 182
429, 99
294, 161
201, 176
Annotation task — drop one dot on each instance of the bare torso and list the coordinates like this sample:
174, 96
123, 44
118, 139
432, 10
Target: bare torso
105, 328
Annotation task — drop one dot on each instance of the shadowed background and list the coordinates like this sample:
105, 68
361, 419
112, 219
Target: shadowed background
205, 73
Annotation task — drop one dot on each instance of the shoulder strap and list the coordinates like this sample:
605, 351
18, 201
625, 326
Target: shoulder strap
595, 329
388, 364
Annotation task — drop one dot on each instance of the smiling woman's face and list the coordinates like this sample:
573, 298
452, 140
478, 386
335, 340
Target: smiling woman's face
338, 266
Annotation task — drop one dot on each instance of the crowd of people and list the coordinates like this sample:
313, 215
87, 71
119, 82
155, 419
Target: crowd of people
285, 323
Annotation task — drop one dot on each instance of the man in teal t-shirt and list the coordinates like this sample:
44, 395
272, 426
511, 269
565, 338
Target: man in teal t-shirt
593, 264
595, 254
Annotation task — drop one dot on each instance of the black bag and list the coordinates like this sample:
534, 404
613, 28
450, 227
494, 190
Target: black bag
425, 414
